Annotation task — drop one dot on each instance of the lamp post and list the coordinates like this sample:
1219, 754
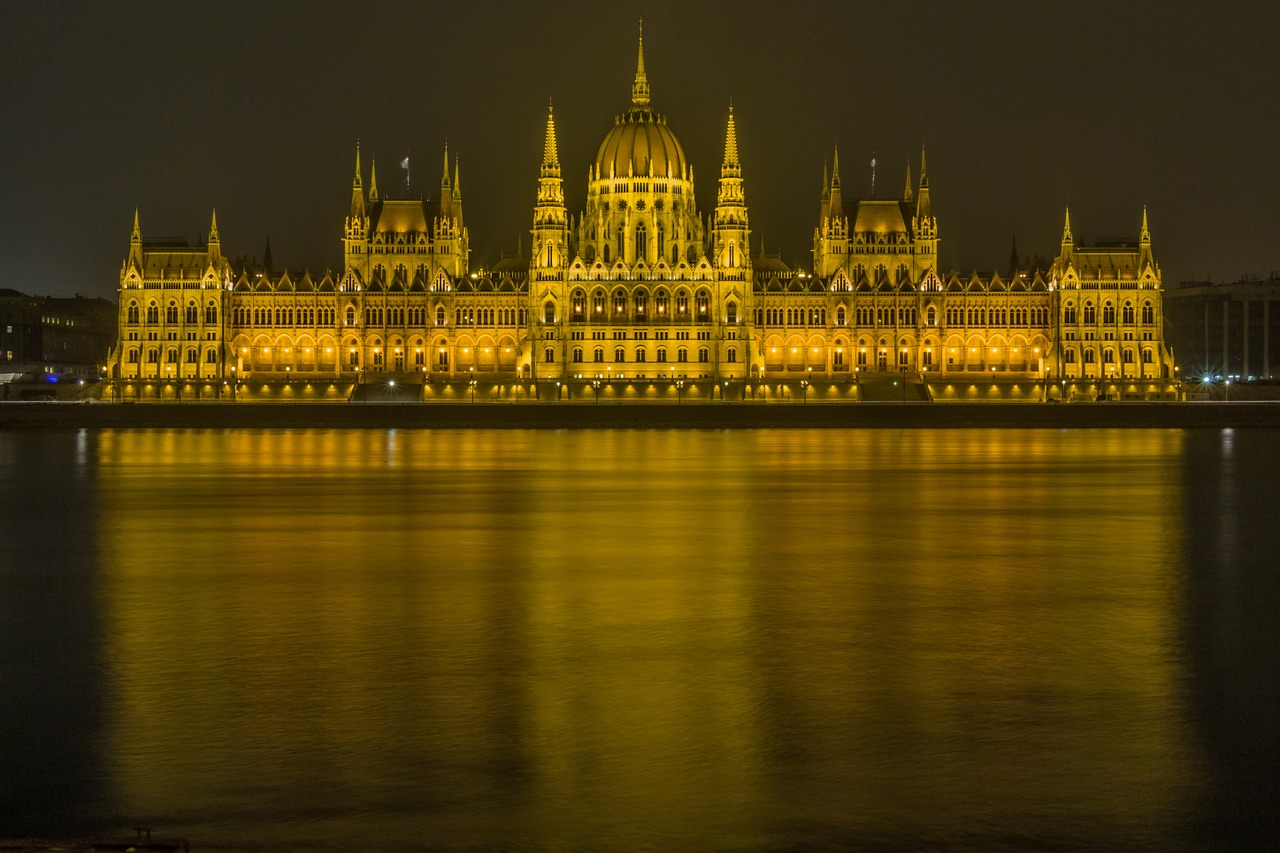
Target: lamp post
472, 383
595, 386
679, 391
1227, 391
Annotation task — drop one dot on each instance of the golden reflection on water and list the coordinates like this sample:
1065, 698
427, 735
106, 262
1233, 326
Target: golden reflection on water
687, 640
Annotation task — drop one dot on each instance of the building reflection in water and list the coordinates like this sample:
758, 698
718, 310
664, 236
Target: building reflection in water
684, 639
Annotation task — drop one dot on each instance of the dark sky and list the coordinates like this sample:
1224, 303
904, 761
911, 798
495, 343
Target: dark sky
255, 108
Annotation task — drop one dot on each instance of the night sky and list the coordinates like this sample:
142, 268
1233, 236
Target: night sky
255, 109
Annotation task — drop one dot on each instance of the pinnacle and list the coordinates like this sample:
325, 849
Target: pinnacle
640, 88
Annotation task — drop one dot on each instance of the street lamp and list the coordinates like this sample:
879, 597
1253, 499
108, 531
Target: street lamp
679, 391
595, 386
804, 390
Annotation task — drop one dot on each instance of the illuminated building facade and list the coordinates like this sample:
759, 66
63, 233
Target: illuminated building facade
639, 290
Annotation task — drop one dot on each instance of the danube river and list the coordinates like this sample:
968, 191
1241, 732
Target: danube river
642, 640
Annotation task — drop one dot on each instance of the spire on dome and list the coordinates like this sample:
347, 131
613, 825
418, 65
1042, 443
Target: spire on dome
640, 88
1145, 235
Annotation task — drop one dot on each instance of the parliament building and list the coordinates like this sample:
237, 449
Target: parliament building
638, 297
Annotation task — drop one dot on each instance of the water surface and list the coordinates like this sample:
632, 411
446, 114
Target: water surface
626, 640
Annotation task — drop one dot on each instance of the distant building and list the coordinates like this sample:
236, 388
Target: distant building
1226, 330
51, 339
640, 288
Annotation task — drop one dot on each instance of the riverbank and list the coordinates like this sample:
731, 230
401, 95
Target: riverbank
655, 416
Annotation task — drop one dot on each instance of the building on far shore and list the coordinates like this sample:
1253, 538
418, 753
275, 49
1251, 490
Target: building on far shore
640, 296
46, 340
1226, 330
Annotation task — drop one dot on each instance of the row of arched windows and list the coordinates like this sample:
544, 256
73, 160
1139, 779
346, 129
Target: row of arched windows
1089, 313
191, 315
642, 355
1089, 355
171, 355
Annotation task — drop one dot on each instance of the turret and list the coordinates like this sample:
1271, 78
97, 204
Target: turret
729, 230
135, 242
373, 180
215, 243
550, 221
640, 88
357, 192
1145, 258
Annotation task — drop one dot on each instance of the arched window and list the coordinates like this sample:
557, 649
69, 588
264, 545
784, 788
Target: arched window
732, 355
133, 312
642, 242
662, 242
153, 313
577, 355
1090, 314
598, 355
1108, 313
733, 257
704, 355
930, 316
439, 315
640, 355
133, 356
171, 355
351, 316
662, 354
1108, 356
619, 301
1128, 312
731, 312
1127, 355
840, 316
193, 357
192, 313
1147, 356
1088, 356
1148, 313
619, 354
682, 355
211, 356
702, 303
153, 356
660, 303
1070, 356
549, 355
1069, 314
171, 312
211, 313
549, 312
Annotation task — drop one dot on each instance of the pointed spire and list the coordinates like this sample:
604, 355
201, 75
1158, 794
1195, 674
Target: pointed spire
835, 169
1066, 228
136, 235
457, 176
826, 179
924, 175
373, 180
908, 194
444, 178
731, 145
640, 88
550, 154
355, 183
213, 228
1145, 235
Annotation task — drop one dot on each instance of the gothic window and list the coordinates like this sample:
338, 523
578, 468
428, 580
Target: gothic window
1069, 314
549, 355
577, 355
1128, 356
931, 316
704, 355
662, 240
1108, 356
732, 355
642, 303
642, 242
597, 300
171, 355
682, 355
662, 354
840, 316
153, 356
133, 312
1070, 357
1148, 313
598, 355
731, 312
549, 312
682, 303
1108, 313
171, 313
1146, 356
193, 357
133, 356
1128, 312
1088, 356
442, 357
660, 302
619, 354
211, 356
702, 303
640, 355
619, 302
733, 254
211, 313
1090, 314
691, 255
351, 316
621, 243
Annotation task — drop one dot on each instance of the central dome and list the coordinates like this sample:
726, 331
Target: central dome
640, 143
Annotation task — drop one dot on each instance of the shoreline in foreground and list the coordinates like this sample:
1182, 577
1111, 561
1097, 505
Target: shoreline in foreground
564, 415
